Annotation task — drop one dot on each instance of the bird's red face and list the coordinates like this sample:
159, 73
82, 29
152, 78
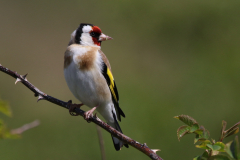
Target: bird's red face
95, 33
98, 36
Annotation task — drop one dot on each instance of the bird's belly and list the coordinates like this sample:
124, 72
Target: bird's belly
84, 86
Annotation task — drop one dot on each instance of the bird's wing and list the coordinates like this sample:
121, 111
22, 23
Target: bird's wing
107, 73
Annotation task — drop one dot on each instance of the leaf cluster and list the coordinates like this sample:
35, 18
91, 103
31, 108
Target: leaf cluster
214, 150
5, 133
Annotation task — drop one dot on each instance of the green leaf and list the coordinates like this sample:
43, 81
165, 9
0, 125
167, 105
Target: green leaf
9, 135
235, 147
203, 145
206, 134
228, 149
203, 135
218, 146
199, 138
186, 119
221, 145
183, 130
199, 131
4, 108
205, 154
6, 133
232, 148
214, 147
194, 127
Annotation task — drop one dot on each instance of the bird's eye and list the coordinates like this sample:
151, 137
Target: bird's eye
93, 34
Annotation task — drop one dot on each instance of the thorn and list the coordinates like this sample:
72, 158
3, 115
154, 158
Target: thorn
155, 150
95, 115
24, 77
40, 98
18, 80
0, 65
145, 144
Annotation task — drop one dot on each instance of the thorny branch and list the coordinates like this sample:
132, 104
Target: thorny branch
43, 96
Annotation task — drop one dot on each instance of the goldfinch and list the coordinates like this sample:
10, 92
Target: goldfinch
89, 77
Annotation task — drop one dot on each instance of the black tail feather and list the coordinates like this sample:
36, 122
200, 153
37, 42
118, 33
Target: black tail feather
117, 143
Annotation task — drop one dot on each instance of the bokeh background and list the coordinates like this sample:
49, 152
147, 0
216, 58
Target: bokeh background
168, 58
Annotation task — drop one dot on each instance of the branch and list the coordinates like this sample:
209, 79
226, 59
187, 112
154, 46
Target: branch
25, 127
43, 96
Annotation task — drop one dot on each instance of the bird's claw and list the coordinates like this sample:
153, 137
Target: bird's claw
87, 116
72, 108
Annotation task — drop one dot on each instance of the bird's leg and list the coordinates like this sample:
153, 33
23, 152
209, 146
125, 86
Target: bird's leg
88, 114
72, 107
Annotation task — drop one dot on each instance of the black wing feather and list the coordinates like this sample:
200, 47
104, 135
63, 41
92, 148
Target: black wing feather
113, 89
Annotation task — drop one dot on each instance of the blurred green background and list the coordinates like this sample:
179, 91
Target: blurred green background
168, 58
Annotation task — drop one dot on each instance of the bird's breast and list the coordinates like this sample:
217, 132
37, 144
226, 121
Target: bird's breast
86, 61
84, 77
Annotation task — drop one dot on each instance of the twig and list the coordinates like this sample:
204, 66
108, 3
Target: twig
101, 142
43, 96
25, 127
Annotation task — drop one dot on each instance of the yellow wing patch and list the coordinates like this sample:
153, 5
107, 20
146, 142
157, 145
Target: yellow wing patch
113, 89
111, 85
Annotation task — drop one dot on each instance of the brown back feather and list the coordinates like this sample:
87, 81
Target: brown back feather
105, 60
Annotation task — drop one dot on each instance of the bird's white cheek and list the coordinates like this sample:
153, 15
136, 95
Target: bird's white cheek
86, 39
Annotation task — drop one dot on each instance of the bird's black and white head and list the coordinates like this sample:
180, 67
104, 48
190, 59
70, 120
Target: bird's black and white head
88, 35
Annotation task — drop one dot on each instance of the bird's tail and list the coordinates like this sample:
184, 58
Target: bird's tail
118, 144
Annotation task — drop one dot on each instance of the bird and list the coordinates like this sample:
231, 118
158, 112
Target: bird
89, 77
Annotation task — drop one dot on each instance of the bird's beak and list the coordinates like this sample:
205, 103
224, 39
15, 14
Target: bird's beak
104, 37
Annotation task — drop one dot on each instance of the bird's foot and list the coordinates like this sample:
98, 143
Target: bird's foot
88, 114
72, 107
